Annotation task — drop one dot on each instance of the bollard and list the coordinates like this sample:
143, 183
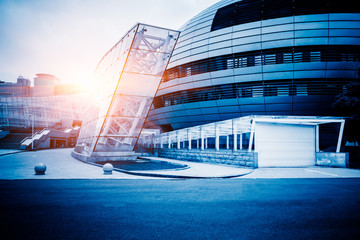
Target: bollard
40, 169
108, 167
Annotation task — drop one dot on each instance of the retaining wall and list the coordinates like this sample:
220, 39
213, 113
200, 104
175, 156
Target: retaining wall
238, 158
332, 159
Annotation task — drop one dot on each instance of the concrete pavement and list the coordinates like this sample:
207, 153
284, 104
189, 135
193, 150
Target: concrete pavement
306, 172
60, 165
321, 208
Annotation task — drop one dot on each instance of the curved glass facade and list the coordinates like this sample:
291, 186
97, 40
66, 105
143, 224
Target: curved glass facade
240, 58
246, 11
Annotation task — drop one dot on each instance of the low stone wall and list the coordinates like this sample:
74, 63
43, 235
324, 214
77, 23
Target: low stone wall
104, 156
238, 158
331, 159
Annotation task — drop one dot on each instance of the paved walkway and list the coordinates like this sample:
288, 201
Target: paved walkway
4, 152
60, 165
309, 172
197, 170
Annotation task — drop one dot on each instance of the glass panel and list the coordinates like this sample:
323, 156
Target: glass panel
128, 77
115, 144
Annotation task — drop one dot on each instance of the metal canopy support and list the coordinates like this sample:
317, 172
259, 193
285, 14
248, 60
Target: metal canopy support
169, 141
340, 136
189, 138
217, 145
251, 135
241, 141
317, 148
202, 138
235, 135
178, 139
239, 126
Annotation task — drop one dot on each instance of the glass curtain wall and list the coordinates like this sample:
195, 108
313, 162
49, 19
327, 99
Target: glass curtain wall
127, 79
51, 111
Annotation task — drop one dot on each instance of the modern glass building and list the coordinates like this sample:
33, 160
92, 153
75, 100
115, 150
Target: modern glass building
51, 111
259, 57
128, 77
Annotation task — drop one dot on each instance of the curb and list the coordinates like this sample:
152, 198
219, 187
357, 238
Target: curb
169, 176
11, 153
165, 175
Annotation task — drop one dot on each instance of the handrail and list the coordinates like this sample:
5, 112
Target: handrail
27, 138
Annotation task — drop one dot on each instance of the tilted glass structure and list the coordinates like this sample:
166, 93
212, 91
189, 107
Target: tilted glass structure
127, 78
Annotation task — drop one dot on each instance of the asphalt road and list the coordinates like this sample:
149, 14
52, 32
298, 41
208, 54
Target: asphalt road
181, 209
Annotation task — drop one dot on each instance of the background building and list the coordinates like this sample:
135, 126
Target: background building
22, 88
50, 103
44, 85
239, 58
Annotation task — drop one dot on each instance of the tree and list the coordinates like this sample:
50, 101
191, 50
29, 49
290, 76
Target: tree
347, 104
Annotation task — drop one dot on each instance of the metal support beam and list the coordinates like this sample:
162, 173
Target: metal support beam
169, 141
227, 142
217, 145
241, 141
189, 138
340, 136
178, 140
235, 136
317, 148
251, 135
202, 138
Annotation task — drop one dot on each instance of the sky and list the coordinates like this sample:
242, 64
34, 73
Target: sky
67, 38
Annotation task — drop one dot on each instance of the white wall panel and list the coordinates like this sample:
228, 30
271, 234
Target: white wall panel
311, 41
246, 47
278, 43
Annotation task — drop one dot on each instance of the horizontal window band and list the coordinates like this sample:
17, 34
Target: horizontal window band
247, 11
322, 53
297, 87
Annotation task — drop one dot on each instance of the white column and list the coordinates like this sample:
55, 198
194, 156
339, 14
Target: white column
227, 142
178, 140
169, 141
202, 138
189, 138
317, 148
197, 143
161, 142
235, 135
251, 135
241, 141
206, 143
340, 136
217, 145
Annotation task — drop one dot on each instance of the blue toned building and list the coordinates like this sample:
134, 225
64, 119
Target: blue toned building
259, 57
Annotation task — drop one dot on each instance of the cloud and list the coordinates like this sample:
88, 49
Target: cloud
67, 38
